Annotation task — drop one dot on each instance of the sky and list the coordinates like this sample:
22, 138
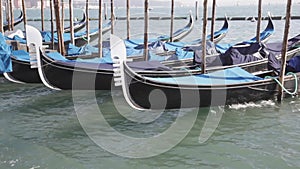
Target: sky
234, 2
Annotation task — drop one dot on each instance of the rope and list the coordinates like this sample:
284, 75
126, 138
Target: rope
284, 89
84, 38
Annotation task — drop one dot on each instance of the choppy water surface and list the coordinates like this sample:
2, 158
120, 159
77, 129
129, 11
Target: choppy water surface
39, 127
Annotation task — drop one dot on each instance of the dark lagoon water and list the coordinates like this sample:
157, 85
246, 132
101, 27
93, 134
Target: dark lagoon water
42, 128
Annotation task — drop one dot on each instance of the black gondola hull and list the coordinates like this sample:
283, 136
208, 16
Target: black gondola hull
67, 77
16, 22
149, 94
22, 72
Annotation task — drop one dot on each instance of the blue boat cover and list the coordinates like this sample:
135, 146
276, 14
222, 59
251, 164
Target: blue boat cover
84, 50
17, 38
21, 55
58, 57
238, 54
222, 48
276, 47
229, 76
5, 52
159, 50
274, 64
293, 65
47, 36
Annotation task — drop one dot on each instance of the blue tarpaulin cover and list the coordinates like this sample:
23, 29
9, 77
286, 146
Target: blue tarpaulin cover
17, 38
84, 50
47, 36
294, 63
234, 75
5, 52
21, 55
58, 57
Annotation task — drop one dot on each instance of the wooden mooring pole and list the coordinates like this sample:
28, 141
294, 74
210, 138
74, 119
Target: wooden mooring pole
11, 15
7, 13
100, 30
62, 16
196, 10
259, 20
71, 13
112, 16
61, 47
213, 18
105, 11
172, 21
24, 14
146, 24
42, 15
284, 49
203, 66
1, 17
52, 23
128, 18
87, 21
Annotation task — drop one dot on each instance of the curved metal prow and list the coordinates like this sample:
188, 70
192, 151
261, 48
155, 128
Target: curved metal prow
118, 54
35, 42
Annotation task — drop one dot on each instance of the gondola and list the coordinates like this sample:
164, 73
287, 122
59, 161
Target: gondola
187, 55
77, 25
22, 71
16, 22
176, 36
58, 72
265, 35
183, 32
61, 73
223, 87
23, 65
225, 60
134, 47
185, 95
218, 36
79, 37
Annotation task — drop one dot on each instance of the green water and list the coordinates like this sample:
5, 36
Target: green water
39, 127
